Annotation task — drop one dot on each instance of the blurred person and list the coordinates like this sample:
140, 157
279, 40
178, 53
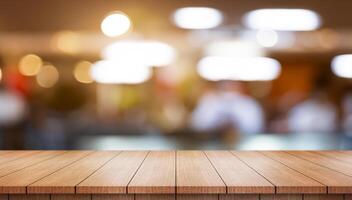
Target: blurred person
228, 107
12, 114
315, 114
347, 114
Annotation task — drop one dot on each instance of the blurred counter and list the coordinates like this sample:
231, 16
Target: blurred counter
302, 141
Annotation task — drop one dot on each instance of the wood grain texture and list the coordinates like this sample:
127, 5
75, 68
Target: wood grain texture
197, 197
16, 182
115, 175
348, 197
4, 196
336, 182
70, 197
29, 197
156, 174
112, 197
195, 174
281, 197
23, 162
238, 197
7, 156
323, 197
285, 179
238, 177
155, 197
317, 158
66, 179
344, 156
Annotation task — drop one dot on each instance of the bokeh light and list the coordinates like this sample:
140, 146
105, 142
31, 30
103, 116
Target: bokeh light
267, 38
239, 68
30, 65
81, 72
47, 76
115, 24
197, 18
67, 41
283, 19
145, 52
233, 48
120, 72
342, 66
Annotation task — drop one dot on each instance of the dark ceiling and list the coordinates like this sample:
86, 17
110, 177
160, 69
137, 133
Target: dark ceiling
86, 15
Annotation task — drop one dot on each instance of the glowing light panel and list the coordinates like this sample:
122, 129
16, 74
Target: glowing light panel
119, 72
283, 19
144, 52
239, 68
342, 66
197, 18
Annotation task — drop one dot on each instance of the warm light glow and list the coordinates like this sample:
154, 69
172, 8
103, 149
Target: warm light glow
232, 48
239, 68
82, 72
144, 52
0, 75
342, 66
119, 72
67, 41
197, 18
47, 76
30, 65
282, 19
267, 38
115, 24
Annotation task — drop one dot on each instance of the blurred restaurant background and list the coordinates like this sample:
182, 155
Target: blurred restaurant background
185, 74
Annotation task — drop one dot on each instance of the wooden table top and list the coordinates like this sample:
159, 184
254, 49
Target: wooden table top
181, 172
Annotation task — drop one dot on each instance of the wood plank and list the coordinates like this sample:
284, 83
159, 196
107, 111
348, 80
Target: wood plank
156, 174
195, 174
324, 161
29, 160
65, 180
115, 175
323, 197
336, 182
284, 178
70, 197
4, 196
197, 197
7, 156
281, 197
155, 197
238, 197
17, 181
29, 197
344, 156
112, 197
238, 177
348, 197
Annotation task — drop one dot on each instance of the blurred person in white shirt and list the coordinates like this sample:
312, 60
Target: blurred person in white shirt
347, 114
228, 107
315, 114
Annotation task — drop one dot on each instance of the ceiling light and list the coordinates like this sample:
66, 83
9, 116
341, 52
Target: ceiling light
119, 72
144, 52
267, 38
239, 68
342, 66
282, 19
115, 24
197, 18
